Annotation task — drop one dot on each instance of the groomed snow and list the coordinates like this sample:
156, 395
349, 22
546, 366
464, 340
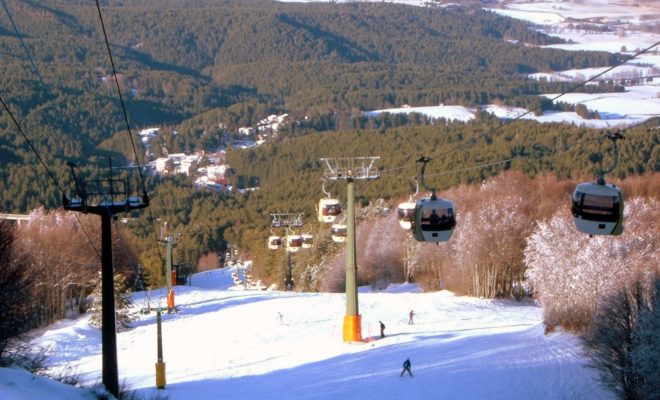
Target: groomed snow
231, 343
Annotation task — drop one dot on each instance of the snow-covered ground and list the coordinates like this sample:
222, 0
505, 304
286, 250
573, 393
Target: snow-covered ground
231, 343
559, 18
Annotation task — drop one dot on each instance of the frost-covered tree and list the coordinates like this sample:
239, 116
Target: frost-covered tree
17, 304
493, 221
569, 271
380, 255
607, 287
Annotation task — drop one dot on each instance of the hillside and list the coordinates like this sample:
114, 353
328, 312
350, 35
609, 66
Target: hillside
238, 62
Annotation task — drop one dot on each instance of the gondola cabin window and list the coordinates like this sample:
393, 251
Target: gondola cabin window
406, 211
332, 209
436, 219
295, 241
597, 207
593, 204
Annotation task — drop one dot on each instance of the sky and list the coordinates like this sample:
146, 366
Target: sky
231, 343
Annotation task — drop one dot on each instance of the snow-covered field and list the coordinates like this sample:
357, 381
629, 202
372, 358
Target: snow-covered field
235, 344
559, 18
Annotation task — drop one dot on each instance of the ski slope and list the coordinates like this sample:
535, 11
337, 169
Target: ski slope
231, 343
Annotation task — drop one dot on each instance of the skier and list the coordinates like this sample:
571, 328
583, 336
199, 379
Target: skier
410, 318
406, 367
382, 329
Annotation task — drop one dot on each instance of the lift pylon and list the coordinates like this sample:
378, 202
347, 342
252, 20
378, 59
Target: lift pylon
105, 198
288, 221
351, 169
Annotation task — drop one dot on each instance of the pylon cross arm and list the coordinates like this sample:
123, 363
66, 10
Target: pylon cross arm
350, 168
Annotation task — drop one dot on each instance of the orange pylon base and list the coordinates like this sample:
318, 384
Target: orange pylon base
170, 301
352, 328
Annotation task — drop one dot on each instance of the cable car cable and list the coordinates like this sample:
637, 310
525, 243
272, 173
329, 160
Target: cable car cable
34, 150
123, 107
535, 154
48, 171
584, 83
509, 121
35, 70
20, 38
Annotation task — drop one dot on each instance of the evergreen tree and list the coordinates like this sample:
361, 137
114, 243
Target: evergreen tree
123, 304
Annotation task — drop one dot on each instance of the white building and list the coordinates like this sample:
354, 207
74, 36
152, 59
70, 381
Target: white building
183, 164
246, 130
216, 171
161, 163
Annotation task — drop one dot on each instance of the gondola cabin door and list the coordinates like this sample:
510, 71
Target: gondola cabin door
307, 241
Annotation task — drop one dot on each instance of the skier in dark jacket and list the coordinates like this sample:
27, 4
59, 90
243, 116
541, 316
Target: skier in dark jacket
382, 329
406, 367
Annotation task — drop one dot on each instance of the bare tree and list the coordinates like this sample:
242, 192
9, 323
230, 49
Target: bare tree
16, 303
57, 250
62, 251
486, 251
622, 341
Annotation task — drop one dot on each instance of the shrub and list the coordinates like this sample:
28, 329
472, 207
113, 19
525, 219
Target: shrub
623, 344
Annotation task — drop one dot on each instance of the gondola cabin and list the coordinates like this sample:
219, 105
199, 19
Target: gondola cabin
329, 209
434, 220
598, 209
307, 241
339, 232
406, 214
294, 243
274, 242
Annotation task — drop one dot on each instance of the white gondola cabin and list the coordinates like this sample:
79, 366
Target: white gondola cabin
307, 241
598, 209
406, 214
294, 243
434, 220
339, 232
329, 209
274, 242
